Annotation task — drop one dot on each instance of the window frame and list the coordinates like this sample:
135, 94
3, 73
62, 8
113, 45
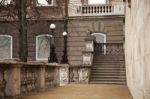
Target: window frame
37, 46
105, 39
102, 34
11, 45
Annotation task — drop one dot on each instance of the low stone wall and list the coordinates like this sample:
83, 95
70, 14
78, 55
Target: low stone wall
18, 78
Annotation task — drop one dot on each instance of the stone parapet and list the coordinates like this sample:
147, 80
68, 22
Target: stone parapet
17, 78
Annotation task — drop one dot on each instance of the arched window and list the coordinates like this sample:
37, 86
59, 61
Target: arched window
43, 46
96, 1
5, 47
100, 37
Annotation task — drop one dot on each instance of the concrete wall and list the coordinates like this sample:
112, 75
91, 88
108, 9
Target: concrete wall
137, 48
79, 28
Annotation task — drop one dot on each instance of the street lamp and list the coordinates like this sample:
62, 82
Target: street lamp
64, 57
52, 55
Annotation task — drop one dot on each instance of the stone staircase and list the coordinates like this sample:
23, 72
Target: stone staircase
108, 69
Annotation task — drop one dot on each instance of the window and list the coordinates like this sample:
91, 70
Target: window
43, 46
96, 1
45, 2
5, 2
100, 37
5, 47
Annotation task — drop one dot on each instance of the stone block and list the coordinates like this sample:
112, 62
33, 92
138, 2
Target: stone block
84, 75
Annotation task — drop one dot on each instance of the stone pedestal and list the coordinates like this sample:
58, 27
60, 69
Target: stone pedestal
41, 77
63, 74
84, 75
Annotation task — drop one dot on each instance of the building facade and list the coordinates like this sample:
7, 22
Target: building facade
78, 17
109, 22
87, 24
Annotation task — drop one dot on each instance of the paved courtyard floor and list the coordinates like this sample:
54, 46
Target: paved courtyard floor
85, 91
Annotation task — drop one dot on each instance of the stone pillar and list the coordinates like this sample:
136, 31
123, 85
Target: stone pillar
41, 77
13, 81
63, 74
84, 72
88, 52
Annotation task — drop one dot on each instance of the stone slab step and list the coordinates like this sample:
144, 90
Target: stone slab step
105, 68
102, 82
108, 66
108, 76
107, 61
108, 79
109, 72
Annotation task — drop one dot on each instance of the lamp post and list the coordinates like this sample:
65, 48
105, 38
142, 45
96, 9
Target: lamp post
64, 57
52, 55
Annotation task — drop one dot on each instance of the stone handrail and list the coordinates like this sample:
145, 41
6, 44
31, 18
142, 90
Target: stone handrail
96, 10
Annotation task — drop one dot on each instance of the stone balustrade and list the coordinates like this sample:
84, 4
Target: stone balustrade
18, 78
96, 10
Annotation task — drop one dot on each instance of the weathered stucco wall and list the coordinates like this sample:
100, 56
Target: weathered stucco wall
137, 48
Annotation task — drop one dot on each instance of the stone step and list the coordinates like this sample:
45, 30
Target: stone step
105, 68
103, 82
107, 60
108, 69
108, 79
108, 63
108, 66
107, 74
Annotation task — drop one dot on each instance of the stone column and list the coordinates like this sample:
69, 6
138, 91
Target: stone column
13, 81
41, 77
84, 71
